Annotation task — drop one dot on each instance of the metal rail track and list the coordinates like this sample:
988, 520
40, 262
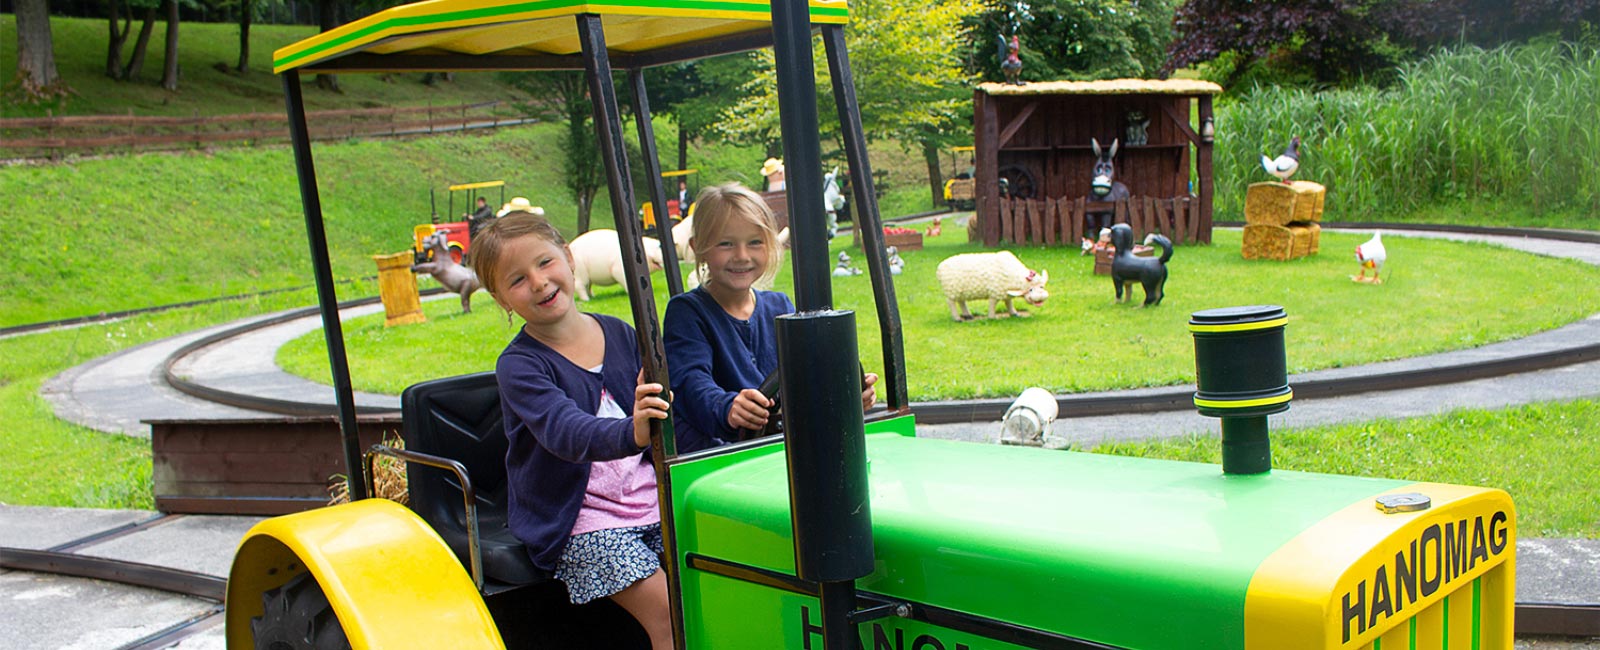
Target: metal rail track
1565, 619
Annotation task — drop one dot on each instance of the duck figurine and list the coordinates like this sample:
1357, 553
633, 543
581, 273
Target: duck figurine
1371, 255
1286, 163
843, 268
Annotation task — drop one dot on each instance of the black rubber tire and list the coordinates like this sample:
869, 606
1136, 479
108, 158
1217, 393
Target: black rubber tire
297, 616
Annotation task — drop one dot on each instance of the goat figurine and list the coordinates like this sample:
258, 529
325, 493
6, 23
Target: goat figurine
1127, 268
444, 269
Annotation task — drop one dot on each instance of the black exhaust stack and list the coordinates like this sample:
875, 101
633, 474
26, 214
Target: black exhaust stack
1243, 377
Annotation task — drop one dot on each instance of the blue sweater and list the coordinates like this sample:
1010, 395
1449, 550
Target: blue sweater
550, 406
711, 356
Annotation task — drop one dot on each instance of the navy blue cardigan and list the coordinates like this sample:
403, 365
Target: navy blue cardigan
711, 356
550, 406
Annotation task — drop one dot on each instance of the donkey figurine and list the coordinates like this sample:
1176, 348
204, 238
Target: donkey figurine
454, 277
1102, 184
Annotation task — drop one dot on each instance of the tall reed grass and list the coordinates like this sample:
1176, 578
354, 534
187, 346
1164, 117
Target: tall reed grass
1515, 124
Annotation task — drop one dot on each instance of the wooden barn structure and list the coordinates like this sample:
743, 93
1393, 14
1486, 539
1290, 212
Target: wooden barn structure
1037, 137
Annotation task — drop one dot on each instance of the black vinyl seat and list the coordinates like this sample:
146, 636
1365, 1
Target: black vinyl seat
459, 418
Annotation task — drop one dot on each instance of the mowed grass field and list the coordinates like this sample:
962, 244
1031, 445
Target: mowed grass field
1437, 296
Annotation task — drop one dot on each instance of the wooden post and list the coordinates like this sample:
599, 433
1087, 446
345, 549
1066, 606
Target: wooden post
397, 286
1203, 171
1051, 223
1035, 233
1003, 215
986, 139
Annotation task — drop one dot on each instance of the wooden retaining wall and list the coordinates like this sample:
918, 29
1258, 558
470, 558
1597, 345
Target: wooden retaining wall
265, 466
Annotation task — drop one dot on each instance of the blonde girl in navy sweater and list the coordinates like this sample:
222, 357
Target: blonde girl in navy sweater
719, 337
581, 485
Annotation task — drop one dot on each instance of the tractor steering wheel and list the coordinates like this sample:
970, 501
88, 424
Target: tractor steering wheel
770, 387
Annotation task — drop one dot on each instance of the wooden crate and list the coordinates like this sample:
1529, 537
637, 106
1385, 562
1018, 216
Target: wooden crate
1269, 242
911, 241
1278, 204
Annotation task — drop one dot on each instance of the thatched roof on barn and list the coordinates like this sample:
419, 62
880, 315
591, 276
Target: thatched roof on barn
1106, 87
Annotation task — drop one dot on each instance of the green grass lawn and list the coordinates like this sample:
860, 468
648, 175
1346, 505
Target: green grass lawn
120, 233
1515, 449
1079, 340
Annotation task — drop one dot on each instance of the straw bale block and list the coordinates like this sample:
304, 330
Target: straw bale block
1307, 238
1267, 242
1279, 204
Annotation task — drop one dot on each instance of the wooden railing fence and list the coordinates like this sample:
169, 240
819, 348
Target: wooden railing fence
1061, 222
52, 137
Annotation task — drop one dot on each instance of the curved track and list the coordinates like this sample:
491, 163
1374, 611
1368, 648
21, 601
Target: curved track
1171, 398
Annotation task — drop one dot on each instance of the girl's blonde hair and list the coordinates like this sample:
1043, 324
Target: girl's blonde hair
490, 243
718, 205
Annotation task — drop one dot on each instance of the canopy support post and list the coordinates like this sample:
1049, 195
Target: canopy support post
327, 293
641, 296
652, 171
869, 224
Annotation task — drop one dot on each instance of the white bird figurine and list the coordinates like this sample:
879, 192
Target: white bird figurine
1371, 255
1285, 164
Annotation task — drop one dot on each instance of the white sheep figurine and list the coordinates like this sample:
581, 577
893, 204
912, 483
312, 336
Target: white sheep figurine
996, 276
597, 260
443, 267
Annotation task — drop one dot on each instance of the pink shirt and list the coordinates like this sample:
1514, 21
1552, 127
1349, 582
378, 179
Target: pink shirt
621, 493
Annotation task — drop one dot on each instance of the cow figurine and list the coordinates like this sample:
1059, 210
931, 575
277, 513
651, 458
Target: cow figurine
454, 277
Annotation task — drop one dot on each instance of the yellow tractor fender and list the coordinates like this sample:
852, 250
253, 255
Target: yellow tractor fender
390, 579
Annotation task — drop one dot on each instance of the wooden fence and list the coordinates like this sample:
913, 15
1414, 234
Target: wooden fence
1061, 222
51, 137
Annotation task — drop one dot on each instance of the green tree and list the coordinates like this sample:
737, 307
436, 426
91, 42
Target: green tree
565, 93
696, 94
905, 56
1074, 39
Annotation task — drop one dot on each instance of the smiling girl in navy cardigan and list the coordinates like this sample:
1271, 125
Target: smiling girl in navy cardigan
582, 488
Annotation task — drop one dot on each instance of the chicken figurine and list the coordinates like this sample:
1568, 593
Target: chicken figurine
1371, 255
1286, 163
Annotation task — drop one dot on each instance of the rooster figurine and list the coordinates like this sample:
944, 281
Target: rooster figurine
1371, 255
1010, 62
1286, 163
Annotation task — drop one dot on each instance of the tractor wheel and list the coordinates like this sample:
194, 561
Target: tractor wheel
456, 254
297, 616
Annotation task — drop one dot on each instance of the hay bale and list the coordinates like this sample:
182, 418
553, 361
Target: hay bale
1307, 238
1278, 204
1267, 242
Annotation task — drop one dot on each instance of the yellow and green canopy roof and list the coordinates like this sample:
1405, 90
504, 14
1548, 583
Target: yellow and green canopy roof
539, 34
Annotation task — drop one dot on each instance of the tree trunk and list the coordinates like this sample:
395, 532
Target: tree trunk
246, 12
585, 205
169, 68
683, 147
930, 155
36, 57
327, 19
117, 38
136, 62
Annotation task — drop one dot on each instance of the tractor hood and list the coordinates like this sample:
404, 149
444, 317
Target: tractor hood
1128, 551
